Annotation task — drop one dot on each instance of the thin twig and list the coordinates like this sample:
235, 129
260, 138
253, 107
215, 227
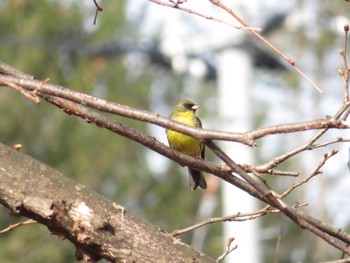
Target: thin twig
238, 217
344, 55
98, 9
13, 226
251, 168
307, 146
194, 12
28, 94
279, 173
321, 145
228, 249
298, 127
266, 42
317, 171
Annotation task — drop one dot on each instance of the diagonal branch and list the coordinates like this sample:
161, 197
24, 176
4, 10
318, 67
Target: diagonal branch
146, 116
177, 5
96, 226
122, 110
266, 42
324, 231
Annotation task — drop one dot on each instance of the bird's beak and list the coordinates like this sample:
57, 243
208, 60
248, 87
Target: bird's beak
195, 107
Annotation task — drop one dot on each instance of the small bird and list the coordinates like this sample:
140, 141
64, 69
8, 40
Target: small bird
185, 112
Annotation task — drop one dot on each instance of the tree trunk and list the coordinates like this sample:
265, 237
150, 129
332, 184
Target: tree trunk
99, 228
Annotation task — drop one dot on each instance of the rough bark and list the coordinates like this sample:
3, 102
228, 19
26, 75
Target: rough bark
98, 227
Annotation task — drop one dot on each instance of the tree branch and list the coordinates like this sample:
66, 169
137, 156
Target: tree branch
122, 110
320, 229
78, 103
266, 42
96, 226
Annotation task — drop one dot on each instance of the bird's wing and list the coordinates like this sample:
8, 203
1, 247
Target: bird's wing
199, 124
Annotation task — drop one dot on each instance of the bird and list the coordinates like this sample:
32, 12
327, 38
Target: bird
185, 112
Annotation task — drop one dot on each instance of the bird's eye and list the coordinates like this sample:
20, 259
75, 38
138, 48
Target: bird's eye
188, 105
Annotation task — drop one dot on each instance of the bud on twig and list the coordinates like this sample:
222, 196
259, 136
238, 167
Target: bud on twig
334, 151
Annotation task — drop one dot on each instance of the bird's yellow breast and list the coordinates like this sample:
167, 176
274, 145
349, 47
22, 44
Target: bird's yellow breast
181, 142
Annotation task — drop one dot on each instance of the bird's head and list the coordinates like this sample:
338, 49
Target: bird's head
187, 105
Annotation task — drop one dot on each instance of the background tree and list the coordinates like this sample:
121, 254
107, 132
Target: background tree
108, 62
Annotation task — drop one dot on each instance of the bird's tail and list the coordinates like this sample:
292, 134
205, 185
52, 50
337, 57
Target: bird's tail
196, 179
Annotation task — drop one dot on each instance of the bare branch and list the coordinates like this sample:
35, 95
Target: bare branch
78, 103
14, 226
297, 127
316, 172
90, 116
122, 110
345, 75
142, 115
228, 250
28, 94
98, 9
176, 5
266, 42
238, 217
308, 146
321, 145
320, 229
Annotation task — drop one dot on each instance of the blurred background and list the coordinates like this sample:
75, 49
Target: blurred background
147, 56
